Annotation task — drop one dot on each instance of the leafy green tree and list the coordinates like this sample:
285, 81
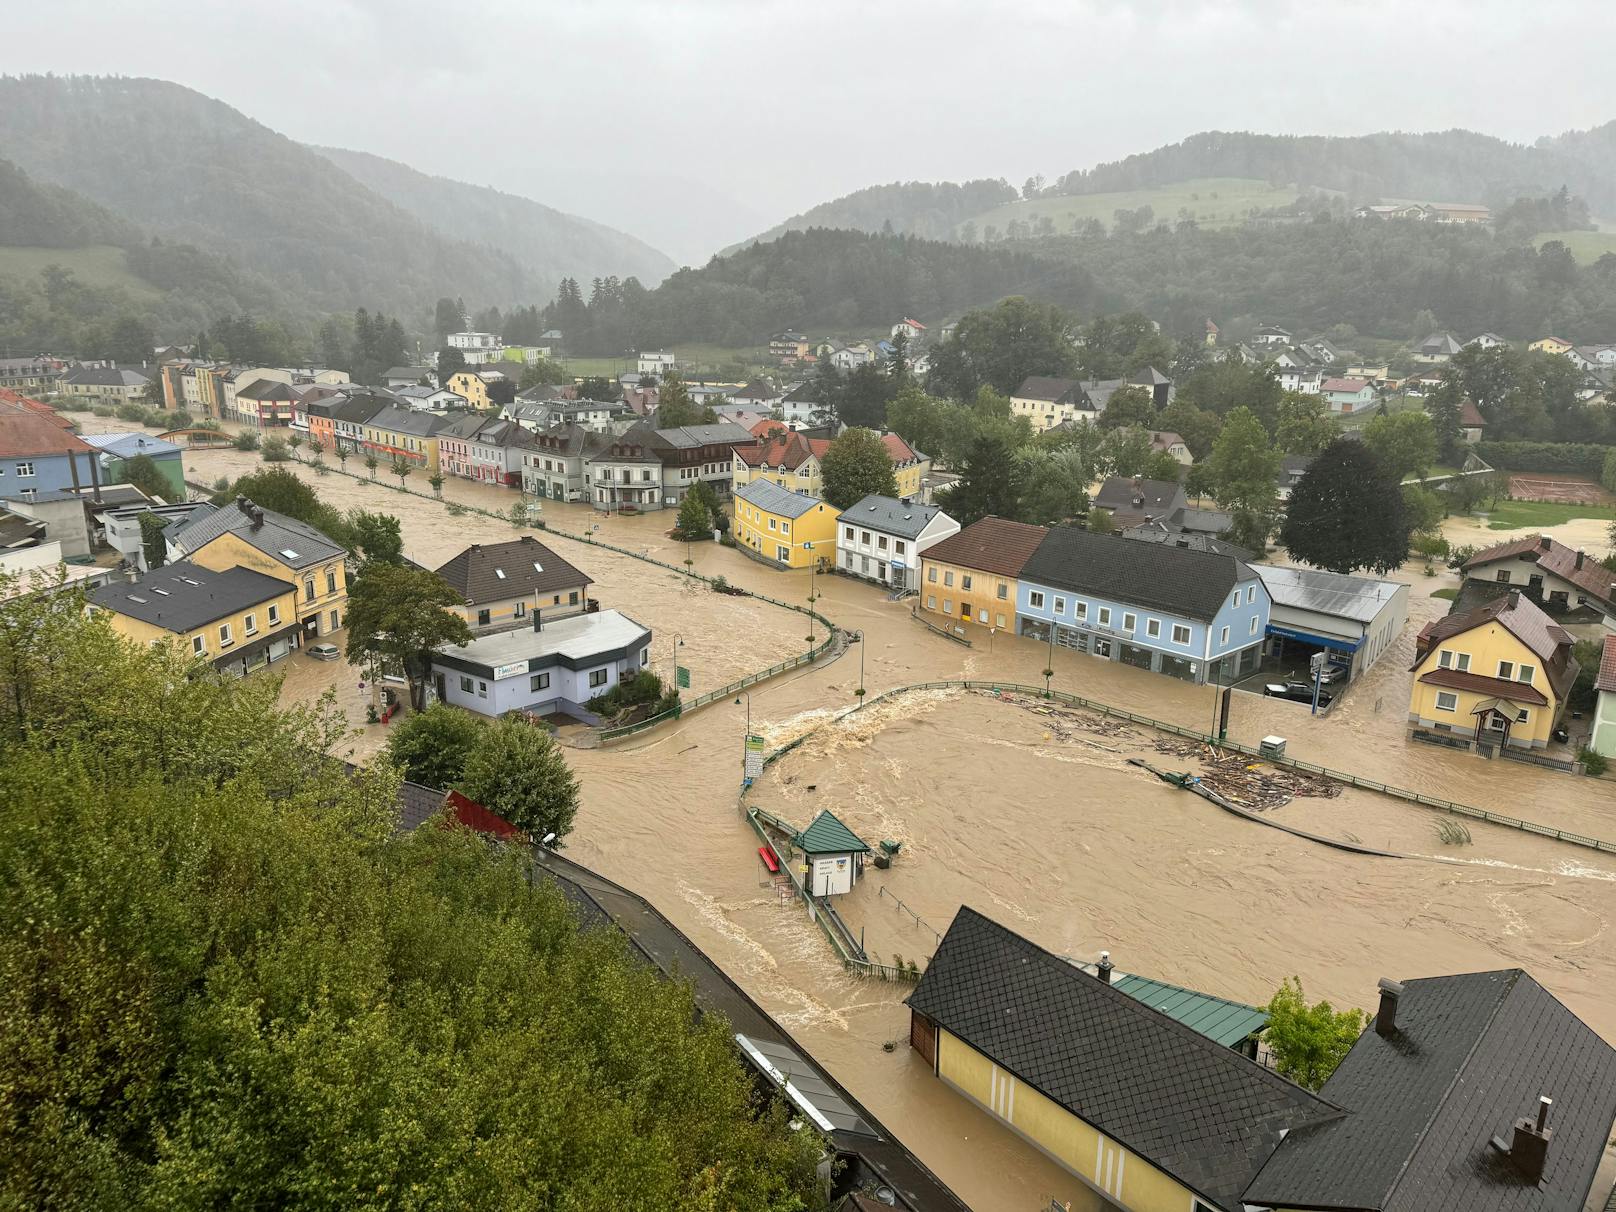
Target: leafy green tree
1244, 470
987, 483
1423, 509
1129, 406
153, 542
1223, 387
703, 492
1404, 443
1054, 484
856, 465
1347, 512
695, 519
436, 481
1197, 426
431, 747
544, 373
142, 471
450, 362
401, 469
1099, 521
675, 408
295, 442
402, 613
1303, 425
1309, 1042
376, 538
1607, 475
520, 772
448, 316
275, 450
999, 347
247, 439
597, 388
1444, 407
371, 464
864, 396
281, 490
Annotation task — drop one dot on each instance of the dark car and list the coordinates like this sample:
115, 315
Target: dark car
1296, 692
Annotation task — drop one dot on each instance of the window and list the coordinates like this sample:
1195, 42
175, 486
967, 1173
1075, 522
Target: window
1105, 616
572, 598
1060, 604
1181, 634
274, 615
199, 646
250, 624
948, 578
1448, 659
931, 573
1235, 600
482, 689
771, 524
1524, 673
1080, 610
1506, 669
897, 547
785, 527
1503, 576
1523, 717
465, 683
1000, 622
597, 677
539, 681
25, 469
864, 538
331, 580
1004, 591
1129, 621
1446, 700
1252, 630
521, 610
308, 590
225, 639
336, 620
1223, 636
1035, 600
482, 618
1251, 594
783, 554
948, 605
880, 542
645, 657
931, 601
847, 533
965, 581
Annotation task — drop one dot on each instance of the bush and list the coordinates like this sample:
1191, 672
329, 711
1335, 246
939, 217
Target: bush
101, 410
247, 439
1592, 763
275, 450
1579, 458
1457, 556
131, 412
644, 687
222, 484
1432, 546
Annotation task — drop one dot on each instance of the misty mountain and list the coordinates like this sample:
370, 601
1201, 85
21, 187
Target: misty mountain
916, 208
34, 214
548, 242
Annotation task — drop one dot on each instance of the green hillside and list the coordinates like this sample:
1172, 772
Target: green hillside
1210, 201
98, 266
1586, 246
912, 208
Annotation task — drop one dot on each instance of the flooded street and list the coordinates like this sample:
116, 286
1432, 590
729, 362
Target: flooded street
1057, 837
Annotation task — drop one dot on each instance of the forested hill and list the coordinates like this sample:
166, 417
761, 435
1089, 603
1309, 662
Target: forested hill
34, 214
1383, 279
1446, 166
186, 167
548, 242
918, 208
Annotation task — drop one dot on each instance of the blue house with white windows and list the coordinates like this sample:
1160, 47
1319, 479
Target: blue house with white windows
1196, 615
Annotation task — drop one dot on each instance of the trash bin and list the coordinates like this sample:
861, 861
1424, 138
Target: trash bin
1272, 746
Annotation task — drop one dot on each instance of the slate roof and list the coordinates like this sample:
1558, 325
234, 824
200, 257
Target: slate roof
1157, 498
129, 445
690, 437
104, 376
266, 389
1199, 1111
995, 545
1471, 1054
395, 419
827, 835
293, 543
183, 596
1158, 532
1050, 390
1523, 619
1553, 556
891, 516
771, 498
1176, 580
527, 565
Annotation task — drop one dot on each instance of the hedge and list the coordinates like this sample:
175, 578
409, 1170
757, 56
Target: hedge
1577, 458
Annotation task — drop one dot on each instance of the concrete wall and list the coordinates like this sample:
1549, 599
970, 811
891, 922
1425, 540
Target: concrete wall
566, 689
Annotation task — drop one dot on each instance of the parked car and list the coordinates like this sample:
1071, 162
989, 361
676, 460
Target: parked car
1296, 692
1331, 674
325, 652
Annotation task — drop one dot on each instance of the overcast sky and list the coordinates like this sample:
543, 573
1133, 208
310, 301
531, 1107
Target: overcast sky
692, 123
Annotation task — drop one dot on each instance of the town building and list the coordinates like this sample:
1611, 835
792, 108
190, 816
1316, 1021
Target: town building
835, 855
109, 385
117, 449
503, 584
247, 535
42, 568
482, 387
476, 347
1551, 345
1437, 348
969, 579
266, 403
657, 362
1305, 379
782, 457
882, 539
788, 347
1490, 677
120, 526
545, 669
37, 455
1353, 619
239, 619
1347, 394
339, 423
913, 329
1143, 1110
695, 454
846, 358
429, 399
395, 377
402, 435
759, 395
1168, 442
603, 416
31, 374
483, 448
1602, 738
1048, 402
1193, 615
625, 472
1132, 501
1269, 334
1471, 422
65, 514
555, 464
783, 527
1556, 577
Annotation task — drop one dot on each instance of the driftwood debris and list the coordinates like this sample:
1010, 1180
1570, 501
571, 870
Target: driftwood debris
1249, 782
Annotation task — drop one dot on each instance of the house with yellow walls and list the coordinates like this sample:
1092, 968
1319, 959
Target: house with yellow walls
239, 620
784, 528
969, 580
404, 435
507, 585
1553, 345
245, 535
1135, 1106
472, 383
1493, 676
795, 462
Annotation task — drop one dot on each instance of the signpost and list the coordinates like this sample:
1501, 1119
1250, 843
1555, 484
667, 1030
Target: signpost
754, 757
681, 677
1316, 664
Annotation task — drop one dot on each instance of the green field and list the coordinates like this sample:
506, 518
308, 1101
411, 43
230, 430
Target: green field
1519, 515
1586, 246
695, 361
1212, 201
99, 265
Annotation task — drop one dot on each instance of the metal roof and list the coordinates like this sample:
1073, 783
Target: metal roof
182, 596
1333, 593
577, 638
771, 498
827, 835
891, 516
1220, 1020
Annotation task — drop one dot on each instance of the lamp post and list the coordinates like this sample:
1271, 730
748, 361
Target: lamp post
1049, 660
812, 565
747, 735
677, 643
857, 637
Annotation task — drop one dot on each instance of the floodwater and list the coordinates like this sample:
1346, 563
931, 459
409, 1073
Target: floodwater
1059, 838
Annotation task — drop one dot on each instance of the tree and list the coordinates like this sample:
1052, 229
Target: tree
1099, 521
371, 464
342, 454
436, 481
375, 538
703, 492
1054, 484
246, 440
675, 408
142, 471
449, 316
450, 362
431, 747
855, 466
275, 450
1347, 512
1303, 425
545, 373
999, 347
154, 544
1222, 387
401, 612
987, 483
1423, 509
1244, 470
1129, 406
1444, 406
401, 469
695, 520
520, 772
1403, 442
1308, 1042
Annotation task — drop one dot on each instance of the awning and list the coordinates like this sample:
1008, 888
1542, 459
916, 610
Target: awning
1323, 641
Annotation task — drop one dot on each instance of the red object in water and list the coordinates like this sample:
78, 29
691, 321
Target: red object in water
770, 860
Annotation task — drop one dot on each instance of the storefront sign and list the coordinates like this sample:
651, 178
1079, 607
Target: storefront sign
509, 671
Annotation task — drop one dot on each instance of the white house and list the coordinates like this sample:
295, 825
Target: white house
482, 341
881, 539
1347, 395
851, 357
429, 399
657, 362
835, 855
913, 329
1300, 378
1486, 340
1269, 335
1171, 443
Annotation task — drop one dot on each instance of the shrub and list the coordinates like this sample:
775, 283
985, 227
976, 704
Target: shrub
101, 410
275, 450
1592, 763
131, 412
1581, 458
222, 484
1432, 546
246, 440
644, 687
1457, 556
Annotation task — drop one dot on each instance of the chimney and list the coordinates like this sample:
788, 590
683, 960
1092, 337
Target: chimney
538, 621
1545, 542
1386, 1016
242, 503
1579, 561
1103, 971
1528, 1149
256, 513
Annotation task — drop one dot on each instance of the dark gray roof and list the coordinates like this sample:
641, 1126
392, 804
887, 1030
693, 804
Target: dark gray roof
1160, 532
266, 389
293, 543
1190, 584
1157, 498
183, 596
509, 570
104, 376
891, 516
724, 433
406, 420
771, 498
354, 410
1200, 1112
1471, 1054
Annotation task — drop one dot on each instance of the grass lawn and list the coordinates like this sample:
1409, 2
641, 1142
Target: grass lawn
695, 362
1586, 246
96, 265
1519, 515
1214, 202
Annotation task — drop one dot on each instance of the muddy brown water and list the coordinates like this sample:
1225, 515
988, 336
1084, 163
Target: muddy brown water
1061, 840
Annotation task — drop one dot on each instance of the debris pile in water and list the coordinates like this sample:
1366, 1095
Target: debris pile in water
1249, 782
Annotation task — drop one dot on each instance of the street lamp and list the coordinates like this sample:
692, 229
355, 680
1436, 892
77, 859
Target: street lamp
1049, 661
747, 735
678, 643
857, 637
813, 564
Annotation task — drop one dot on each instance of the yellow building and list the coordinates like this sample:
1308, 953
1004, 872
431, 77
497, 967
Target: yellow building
793, 462
1137, 1107
237, 619
243, 535
503, 585
1496, 675
403, 435
969, 579
1551, 345
784, 527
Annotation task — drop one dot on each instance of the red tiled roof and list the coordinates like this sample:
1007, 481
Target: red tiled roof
474, 816
45, 410
900, 450
995, 545
24, 432
1456, 679
1344, 385
1592, 578
1607, 665
1469, 415
777, 449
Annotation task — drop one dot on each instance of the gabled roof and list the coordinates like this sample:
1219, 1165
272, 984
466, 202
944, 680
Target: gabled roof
779, 447
129, 445
267, 390
1607, 666
1175, 580
691, 437
1469, 415
827, 835
1136, 495
1523, 619
1349, 385
995, 545
1470, 1054
410, 421
771, 498
1553, 556
183, 596
515, 569
104, 376
1199, 1111
1041, 387
24, 432
290, 542
891, 516
1220, 1020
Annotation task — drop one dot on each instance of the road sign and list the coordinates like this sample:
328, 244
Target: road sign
681, 677
754, 757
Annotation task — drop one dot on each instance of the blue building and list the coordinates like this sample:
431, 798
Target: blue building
1196, 615
38, 455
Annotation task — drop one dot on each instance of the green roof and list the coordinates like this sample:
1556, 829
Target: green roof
827, 835
1221, 1021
